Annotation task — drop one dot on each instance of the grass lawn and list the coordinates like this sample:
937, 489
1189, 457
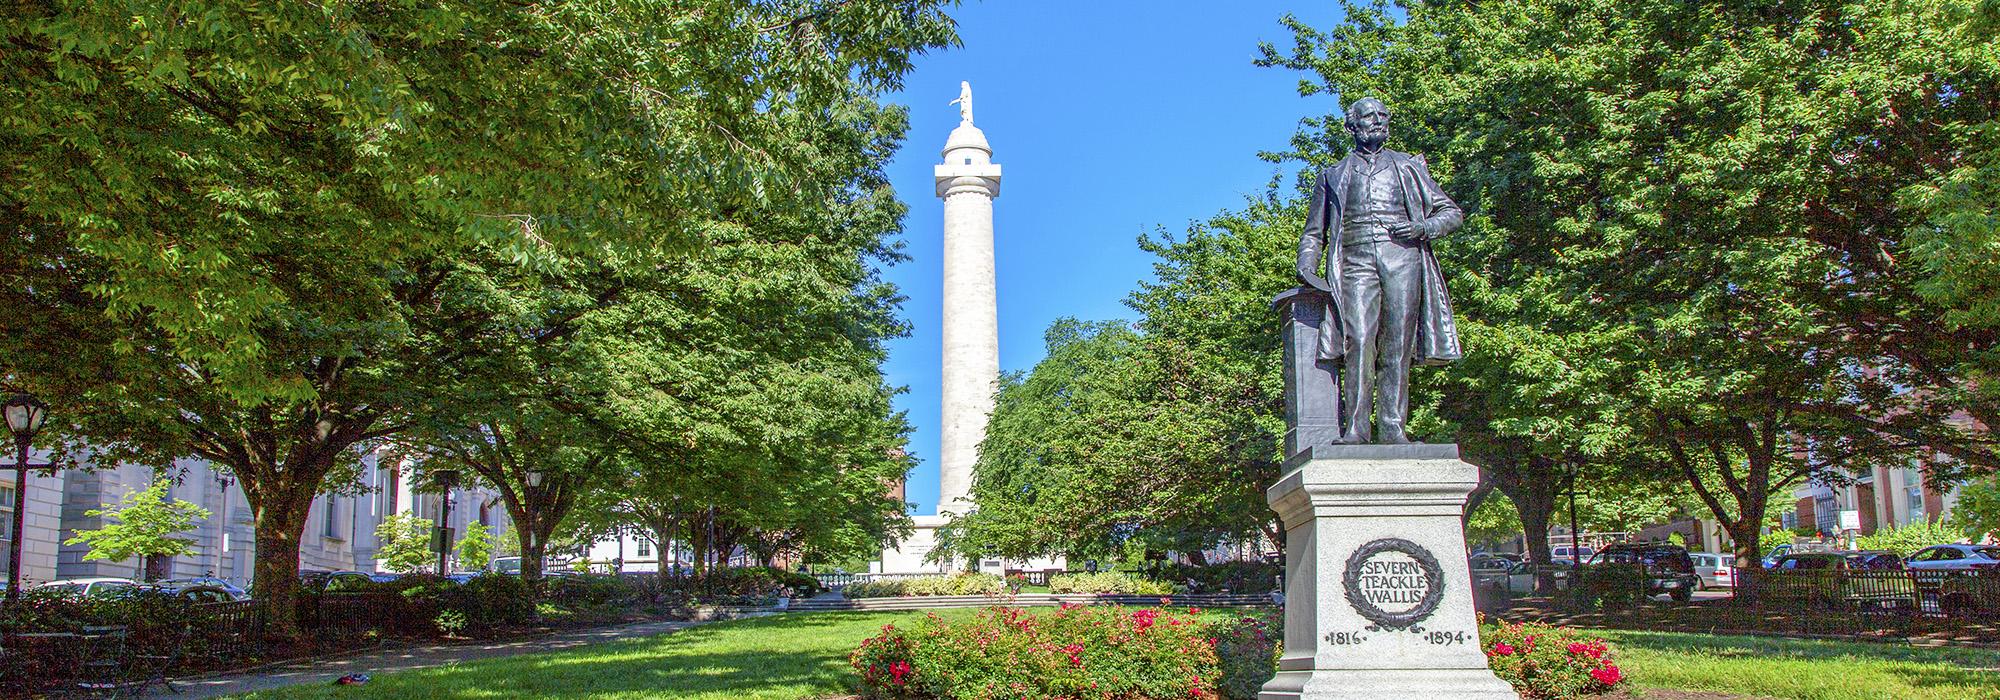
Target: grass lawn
1804, 669
805, 656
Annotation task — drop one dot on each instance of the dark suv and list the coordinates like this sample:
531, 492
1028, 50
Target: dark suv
1669, 569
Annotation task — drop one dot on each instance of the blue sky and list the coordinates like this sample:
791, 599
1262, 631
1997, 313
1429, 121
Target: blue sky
1111, 119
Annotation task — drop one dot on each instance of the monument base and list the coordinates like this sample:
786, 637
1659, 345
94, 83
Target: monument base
1378, 595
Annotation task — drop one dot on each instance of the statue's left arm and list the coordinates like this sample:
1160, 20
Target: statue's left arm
1441, 216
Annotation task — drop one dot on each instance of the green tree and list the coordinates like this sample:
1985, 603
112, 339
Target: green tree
1701, 203
475, 548
234, 228
1493, 522
143, 523
1978, 508
405, 544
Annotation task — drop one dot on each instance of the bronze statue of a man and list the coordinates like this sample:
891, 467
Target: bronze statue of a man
1373, 217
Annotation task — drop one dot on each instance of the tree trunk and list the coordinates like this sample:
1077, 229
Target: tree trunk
281, 522
1534, 496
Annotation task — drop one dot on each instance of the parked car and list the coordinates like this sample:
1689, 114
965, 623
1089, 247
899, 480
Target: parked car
1562, 553
1716, 570
1520, 580
1875, 560
1839, 580
1771, 555
1956, 557
229, 590
1669, 569
98, 587
336, 581
1486, 565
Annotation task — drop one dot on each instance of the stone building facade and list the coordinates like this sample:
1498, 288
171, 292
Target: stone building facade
339, 535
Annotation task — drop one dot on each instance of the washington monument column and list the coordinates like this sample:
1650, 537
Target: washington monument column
967, 181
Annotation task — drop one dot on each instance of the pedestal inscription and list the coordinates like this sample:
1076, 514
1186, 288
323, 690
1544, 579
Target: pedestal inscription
1393, 582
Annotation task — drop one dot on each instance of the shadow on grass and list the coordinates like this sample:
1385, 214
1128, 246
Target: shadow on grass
787, 656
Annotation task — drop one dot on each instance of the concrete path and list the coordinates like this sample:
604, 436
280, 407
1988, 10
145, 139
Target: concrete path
324, 671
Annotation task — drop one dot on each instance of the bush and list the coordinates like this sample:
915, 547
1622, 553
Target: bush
1550, 663
1234, 577
1906, 540
1107, 582
1079, 651
490, 600
956, 584
588, 590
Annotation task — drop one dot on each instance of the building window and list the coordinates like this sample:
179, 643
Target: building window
1916, 495
331, 529
645, 547
6, 514
1826, 515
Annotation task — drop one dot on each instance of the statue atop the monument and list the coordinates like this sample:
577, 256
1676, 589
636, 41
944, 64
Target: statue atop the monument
964, 102
1373, 217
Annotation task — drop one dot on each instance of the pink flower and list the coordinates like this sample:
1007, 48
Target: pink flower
1502, 649
1607, 674
899, 670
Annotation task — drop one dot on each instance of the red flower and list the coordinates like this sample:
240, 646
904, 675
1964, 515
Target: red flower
902, 668
1579, 648
1502, 649
1607, 674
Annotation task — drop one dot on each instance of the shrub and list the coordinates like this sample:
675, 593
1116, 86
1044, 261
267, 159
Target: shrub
1550, 663
492, 599
592, 590
956, 584
1107, 582
1234, 577
1906, 540
1079, 651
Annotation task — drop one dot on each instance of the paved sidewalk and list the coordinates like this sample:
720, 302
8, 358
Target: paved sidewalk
324, 671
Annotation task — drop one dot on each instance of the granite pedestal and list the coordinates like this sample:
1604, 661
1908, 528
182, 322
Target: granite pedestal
1378, 594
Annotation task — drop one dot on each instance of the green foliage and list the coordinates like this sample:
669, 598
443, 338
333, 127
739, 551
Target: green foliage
475, 548
404, 544
450, 622
492, 600
1494, 521
265, 235
143, 523
1544, 662
1978, 508
1233, 577
955, 584
1611, 586
1685, 249
1108, 582
1906, 539
1143, 654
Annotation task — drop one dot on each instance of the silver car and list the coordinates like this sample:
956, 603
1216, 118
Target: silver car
1716, 570
1956, 557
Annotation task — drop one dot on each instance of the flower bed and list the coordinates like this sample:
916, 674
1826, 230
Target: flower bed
1107, 582
960, 584
1076, 652
1550, 663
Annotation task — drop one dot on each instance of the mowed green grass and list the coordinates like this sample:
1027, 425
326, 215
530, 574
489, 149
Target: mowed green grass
1805, 669
782, 657
789, 657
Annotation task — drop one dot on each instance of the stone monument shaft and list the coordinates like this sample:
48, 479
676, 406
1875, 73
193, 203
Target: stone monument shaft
967, 181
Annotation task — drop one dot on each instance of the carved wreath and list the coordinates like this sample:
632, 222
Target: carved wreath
1433, 577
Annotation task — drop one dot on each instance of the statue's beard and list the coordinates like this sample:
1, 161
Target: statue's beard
1371, 140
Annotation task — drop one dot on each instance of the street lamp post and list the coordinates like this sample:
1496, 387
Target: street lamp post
24, 417
528, 533
445, 479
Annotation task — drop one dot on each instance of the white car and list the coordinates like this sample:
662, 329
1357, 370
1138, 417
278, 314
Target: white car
1716, 570
1956, 557
92, 587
